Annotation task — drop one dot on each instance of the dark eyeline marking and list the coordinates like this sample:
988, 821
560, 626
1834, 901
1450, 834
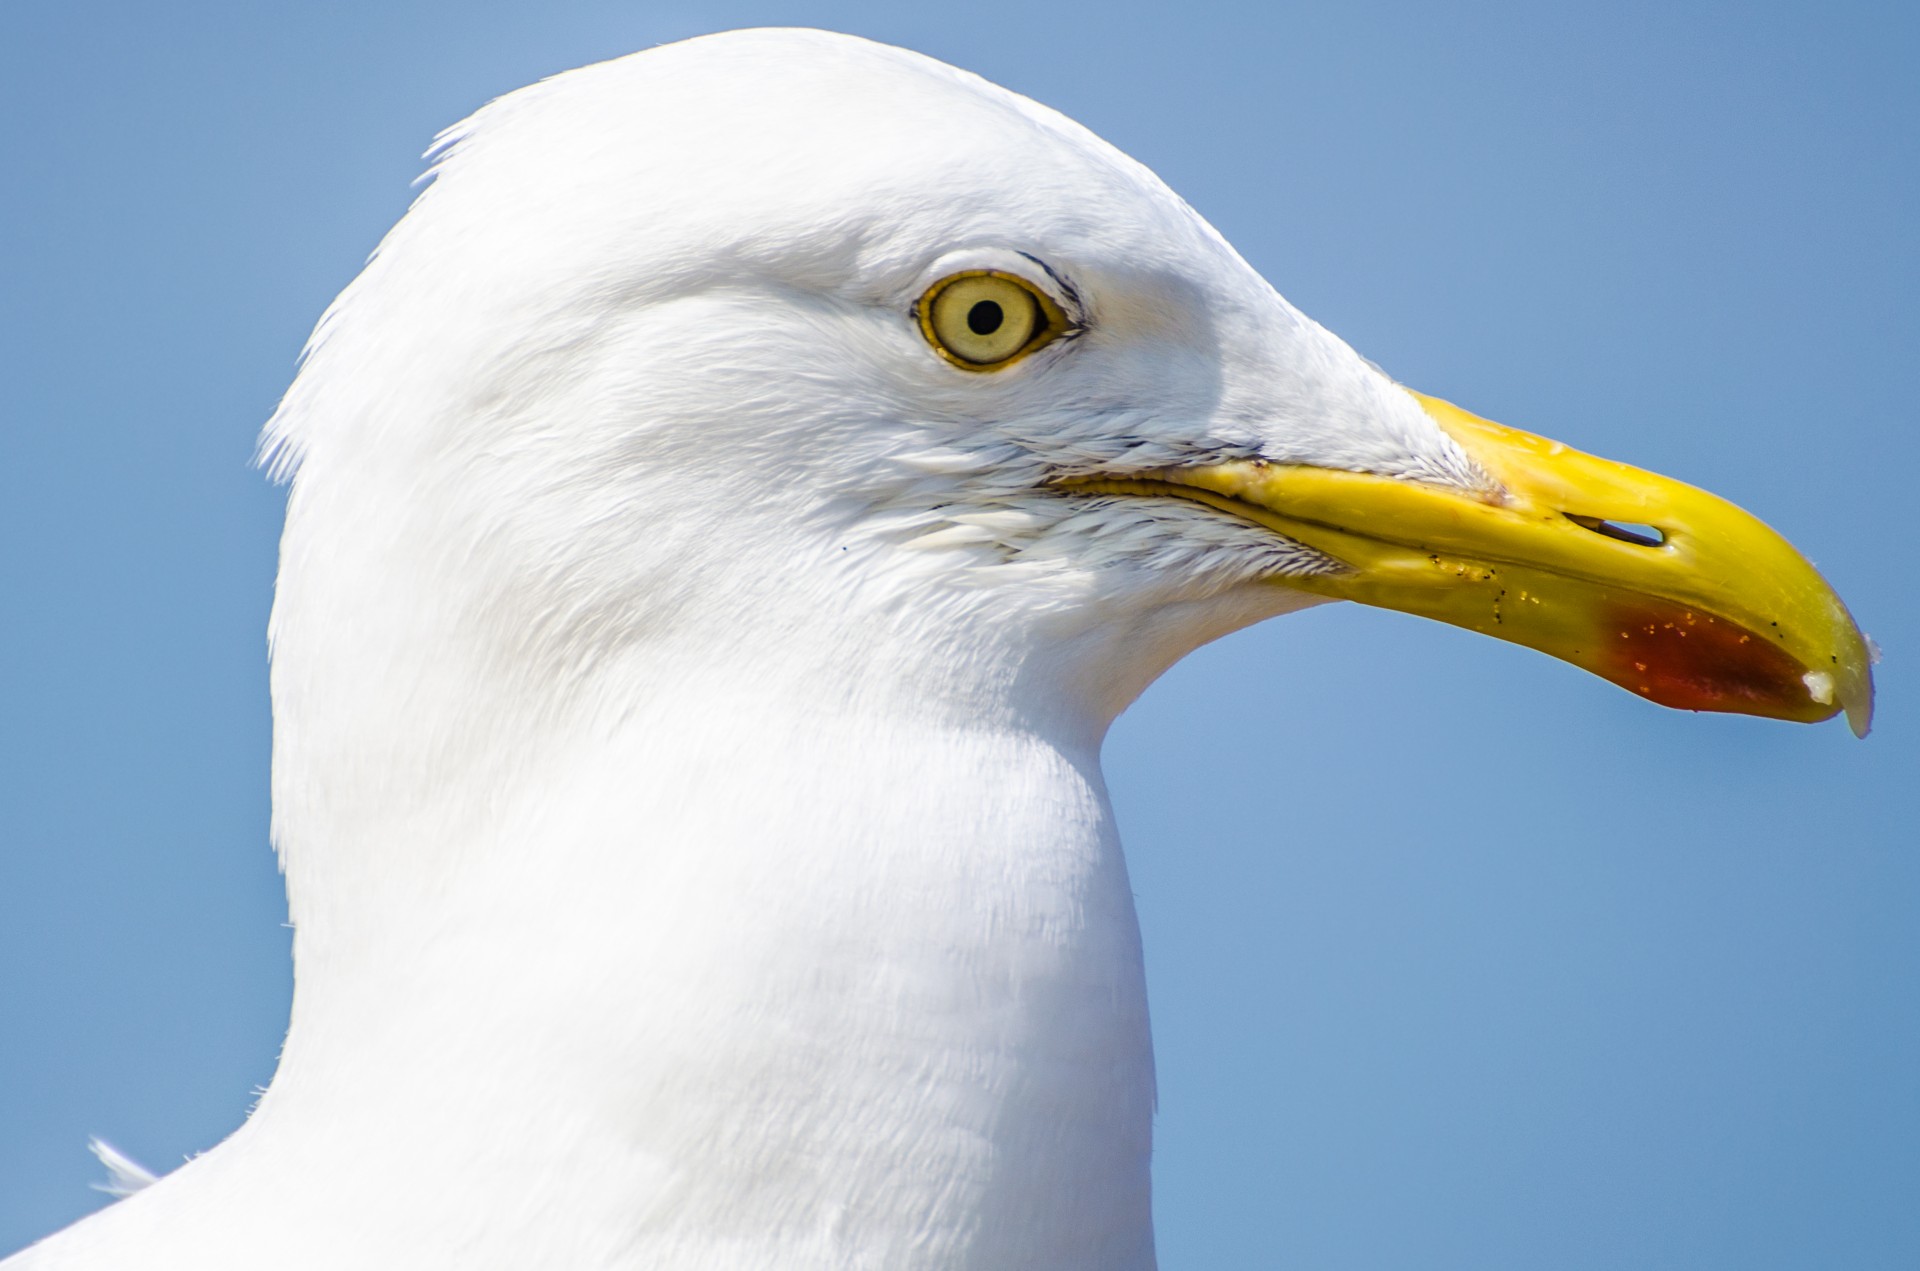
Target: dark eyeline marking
1077, 309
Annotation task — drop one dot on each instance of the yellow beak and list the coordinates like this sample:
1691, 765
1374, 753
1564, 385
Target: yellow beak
1711, 611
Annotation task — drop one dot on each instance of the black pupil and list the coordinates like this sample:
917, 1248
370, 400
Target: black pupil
985, 317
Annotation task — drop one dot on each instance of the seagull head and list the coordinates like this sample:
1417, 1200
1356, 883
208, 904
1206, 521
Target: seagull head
796, 351
726, 512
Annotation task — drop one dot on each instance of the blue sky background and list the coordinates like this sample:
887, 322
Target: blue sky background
1459, 958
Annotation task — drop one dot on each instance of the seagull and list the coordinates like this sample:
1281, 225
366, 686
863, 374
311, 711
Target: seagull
726, 514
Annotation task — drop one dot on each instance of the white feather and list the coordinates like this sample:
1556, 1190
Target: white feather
688, 688
125, 1176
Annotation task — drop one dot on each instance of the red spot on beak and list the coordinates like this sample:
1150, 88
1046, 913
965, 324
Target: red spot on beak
1695, 661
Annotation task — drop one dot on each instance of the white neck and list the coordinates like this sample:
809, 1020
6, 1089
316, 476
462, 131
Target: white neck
799, 997
745, 971
836, 1011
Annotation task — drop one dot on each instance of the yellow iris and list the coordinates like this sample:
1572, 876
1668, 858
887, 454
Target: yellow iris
983, 319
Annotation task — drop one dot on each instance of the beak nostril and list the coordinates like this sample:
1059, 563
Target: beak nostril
1625, 531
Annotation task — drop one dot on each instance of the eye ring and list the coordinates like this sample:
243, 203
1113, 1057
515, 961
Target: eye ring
984, 319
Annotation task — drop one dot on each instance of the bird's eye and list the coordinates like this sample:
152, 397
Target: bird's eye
983, 319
